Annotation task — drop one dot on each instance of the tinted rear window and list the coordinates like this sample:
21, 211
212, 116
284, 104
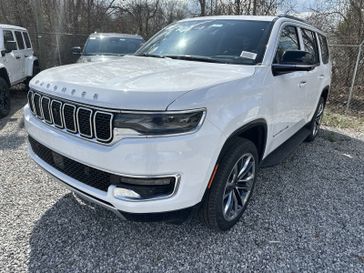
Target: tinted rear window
19, 39
27, 40
310, 44
324, 49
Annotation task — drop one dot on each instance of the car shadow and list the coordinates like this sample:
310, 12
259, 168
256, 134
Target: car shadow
73, 235
14, 122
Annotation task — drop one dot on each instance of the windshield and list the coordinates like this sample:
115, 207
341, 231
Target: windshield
223, 41
103, 45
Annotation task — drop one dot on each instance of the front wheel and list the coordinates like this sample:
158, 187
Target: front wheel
315, 123
4, 98
231, 187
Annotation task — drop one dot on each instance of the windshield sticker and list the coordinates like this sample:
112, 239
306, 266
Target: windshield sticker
248, 55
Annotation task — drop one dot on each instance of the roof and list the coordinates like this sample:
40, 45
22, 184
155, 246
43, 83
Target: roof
12, 27
121, 35
233, 17
255, 18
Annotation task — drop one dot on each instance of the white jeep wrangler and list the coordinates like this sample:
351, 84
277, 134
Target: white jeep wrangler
17, 62
185, 123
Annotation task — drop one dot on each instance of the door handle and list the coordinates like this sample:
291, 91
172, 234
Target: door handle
302, 84
321, 76
26, 56
17, 57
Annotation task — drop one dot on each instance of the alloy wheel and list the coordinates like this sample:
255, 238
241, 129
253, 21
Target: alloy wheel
318, 119
239, 186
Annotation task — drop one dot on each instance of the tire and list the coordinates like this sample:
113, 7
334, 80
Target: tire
4, 98
314, 125
36, 70
217, 210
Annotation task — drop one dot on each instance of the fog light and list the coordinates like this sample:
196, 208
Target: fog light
147, 181
121, 193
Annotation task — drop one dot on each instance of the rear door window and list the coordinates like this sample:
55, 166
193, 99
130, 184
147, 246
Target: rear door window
324, 49
27, 40
19, 39
310, 44
288, 40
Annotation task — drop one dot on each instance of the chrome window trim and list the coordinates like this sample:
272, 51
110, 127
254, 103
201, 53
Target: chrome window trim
74, 117
90, 122
110, 124
49, 110
61, 115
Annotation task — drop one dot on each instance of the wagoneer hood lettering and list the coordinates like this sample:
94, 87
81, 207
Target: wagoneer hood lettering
134, 82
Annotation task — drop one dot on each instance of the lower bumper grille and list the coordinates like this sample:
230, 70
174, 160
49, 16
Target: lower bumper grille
100, 179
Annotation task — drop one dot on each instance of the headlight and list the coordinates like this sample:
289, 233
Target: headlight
160, 123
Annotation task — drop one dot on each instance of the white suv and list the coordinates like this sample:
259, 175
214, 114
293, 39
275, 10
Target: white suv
185, 124
17, 62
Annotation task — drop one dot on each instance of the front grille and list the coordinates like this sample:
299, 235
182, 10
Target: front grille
97, 178
73, 118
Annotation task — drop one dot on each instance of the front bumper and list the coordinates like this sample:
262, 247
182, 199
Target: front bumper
192, 157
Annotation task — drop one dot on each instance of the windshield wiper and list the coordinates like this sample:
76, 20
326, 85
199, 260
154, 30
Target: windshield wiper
195, 58
150, 55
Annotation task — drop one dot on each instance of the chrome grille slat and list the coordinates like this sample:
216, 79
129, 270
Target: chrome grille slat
69, 117
85, 129
77, 119
45, 103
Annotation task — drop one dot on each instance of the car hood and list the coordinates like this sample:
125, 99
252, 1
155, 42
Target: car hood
98, 58
133, 82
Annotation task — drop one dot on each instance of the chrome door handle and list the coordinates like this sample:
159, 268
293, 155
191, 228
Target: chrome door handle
302, 84
321, 76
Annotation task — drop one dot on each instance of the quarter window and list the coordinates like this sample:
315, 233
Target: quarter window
27, 40
324, 49
19, 39
310, 45
288, 40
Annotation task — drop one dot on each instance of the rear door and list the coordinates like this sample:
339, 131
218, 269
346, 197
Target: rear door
28, 51
313, 88
12, 60
21, 51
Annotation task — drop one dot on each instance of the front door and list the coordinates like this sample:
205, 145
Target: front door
288, 91
12, 60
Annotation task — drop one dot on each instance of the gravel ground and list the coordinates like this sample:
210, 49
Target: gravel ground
307, 215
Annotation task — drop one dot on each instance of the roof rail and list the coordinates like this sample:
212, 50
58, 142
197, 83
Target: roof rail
292, 17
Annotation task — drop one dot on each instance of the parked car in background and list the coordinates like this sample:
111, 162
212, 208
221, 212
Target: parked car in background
17, 62
185, 123
107, 46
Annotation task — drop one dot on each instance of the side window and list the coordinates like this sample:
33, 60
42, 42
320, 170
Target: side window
288, 40
324, 49
27, 40
19, 39
8, 36
9, 40
310, 45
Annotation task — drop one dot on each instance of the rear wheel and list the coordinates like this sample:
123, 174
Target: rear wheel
315, 123
4, 98
36, 70
231, 187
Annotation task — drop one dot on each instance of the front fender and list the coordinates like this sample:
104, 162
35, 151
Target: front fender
29, 63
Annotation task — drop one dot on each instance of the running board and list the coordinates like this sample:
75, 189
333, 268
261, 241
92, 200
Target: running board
283, 151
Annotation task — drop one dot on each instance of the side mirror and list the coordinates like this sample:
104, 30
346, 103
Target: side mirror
76, 50
10, 46
297, 57
294, 60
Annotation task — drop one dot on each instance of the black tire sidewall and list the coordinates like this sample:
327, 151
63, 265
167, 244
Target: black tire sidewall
312, 136
214, 213
4, 88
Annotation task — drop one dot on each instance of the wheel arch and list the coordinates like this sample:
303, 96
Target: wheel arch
255, 131
325, 93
